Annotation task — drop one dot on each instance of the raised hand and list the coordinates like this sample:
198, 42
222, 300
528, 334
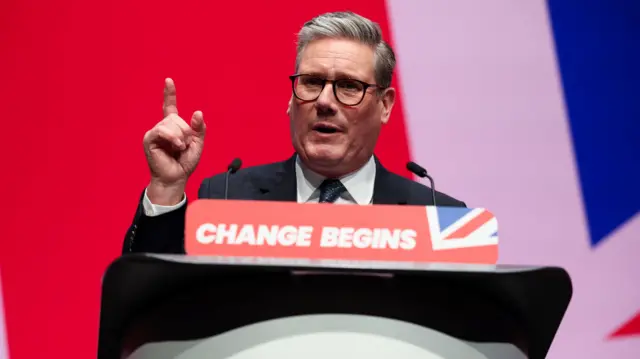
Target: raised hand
173, 149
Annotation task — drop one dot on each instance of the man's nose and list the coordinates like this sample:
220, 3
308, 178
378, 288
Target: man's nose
326, 102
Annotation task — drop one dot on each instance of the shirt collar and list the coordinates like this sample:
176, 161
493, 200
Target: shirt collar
359, 184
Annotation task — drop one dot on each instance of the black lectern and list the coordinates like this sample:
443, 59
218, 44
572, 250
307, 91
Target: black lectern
173, 306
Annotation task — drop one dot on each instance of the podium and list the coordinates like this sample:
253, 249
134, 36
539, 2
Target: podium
175, 306
287, 280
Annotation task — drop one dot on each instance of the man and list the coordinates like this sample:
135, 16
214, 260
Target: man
341, 97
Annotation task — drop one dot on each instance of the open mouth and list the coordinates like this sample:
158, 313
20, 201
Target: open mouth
325, 128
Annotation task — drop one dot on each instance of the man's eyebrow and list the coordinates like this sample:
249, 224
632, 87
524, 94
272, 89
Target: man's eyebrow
339, 75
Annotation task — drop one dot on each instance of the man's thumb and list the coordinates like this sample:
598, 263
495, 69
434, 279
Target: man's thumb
197, 123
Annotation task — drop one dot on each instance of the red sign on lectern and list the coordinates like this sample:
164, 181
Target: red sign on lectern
341, 232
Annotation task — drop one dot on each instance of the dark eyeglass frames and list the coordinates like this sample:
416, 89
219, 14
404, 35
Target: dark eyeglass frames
349, 92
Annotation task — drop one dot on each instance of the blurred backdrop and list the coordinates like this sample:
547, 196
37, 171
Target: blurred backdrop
529, 108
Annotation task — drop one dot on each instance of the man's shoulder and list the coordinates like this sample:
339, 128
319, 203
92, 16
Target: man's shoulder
243, 180
248, 172
420, 194
246, 178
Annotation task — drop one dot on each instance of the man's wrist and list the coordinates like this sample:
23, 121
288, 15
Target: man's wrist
162, 194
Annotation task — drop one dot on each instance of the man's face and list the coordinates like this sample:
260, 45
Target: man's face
355, 129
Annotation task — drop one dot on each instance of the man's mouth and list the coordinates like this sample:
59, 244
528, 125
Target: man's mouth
326, 128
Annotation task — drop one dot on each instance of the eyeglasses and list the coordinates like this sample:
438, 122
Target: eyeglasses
349, 92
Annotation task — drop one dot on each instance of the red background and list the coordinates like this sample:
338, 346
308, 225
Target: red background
82, 83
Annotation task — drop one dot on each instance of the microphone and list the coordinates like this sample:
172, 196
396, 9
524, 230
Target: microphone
422, 173
232, 168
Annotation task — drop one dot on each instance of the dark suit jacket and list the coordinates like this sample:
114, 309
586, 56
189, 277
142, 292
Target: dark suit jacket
270, 182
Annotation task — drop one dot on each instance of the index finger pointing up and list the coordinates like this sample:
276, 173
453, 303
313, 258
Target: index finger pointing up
170, 104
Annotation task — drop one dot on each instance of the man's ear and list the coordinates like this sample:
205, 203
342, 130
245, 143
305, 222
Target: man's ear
387, 101
289, 105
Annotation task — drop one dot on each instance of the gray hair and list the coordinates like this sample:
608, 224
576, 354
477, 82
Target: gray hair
348, 25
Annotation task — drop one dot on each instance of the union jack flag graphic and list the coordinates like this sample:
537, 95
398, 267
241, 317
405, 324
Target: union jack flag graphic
456, 228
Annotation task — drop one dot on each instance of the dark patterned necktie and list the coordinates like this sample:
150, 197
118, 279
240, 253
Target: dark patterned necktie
330, 190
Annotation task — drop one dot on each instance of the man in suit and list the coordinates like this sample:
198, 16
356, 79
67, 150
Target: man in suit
341, 97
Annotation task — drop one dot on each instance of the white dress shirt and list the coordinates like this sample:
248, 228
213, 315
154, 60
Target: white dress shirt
359, 185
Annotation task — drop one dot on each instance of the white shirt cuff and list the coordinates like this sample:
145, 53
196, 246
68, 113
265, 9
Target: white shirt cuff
152, 210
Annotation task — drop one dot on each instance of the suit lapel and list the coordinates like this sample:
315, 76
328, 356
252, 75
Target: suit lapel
278, 183
387, 189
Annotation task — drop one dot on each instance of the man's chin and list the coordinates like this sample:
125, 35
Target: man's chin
324, 154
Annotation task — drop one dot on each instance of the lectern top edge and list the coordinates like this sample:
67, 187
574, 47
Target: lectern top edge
342, 264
